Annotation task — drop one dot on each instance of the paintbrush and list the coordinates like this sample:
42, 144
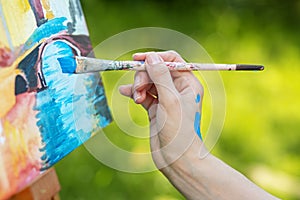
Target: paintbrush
81, 65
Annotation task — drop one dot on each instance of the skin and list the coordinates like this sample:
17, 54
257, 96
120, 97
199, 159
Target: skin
171, 99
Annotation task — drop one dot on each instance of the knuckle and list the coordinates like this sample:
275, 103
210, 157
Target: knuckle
173, 52
174, 56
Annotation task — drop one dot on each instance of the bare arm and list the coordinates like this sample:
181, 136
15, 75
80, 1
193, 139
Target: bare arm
173, 101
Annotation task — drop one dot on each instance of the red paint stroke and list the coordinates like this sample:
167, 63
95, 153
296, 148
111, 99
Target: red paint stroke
20, 151
38, 12
6, 57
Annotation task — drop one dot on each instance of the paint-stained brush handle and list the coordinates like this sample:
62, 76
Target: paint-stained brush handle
86, 65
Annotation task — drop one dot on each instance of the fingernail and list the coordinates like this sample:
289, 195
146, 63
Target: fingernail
137, 54
153, 59
134, 55
136, 96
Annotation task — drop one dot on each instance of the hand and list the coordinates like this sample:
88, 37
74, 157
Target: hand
173, 100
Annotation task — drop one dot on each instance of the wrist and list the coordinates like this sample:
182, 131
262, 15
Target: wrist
189, 173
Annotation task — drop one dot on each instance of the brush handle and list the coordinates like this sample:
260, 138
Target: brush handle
85, 65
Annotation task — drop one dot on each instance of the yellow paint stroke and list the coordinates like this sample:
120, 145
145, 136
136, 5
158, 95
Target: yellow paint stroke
23, 5
3, 37
7, 90
17, 147
46, 6
14, 147
16, 167
20, 20
4, 181
21, 154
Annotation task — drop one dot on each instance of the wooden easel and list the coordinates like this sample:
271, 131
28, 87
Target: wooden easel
44, 187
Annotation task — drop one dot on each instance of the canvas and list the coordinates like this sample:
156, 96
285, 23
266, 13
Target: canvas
44, 113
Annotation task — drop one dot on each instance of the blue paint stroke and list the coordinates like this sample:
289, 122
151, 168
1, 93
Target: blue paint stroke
198, 98
70, 109
46, 30
197, 118
197, 124
68, 64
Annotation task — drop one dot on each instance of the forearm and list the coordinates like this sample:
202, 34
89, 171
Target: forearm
174, 110
210, 178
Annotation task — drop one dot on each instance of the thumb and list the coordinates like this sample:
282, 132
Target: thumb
160, 75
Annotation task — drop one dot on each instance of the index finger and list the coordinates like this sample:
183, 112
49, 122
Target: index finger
167, 56
161, 77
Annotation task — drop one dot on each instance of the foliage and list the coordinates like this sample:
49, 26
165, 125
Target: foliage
260, 137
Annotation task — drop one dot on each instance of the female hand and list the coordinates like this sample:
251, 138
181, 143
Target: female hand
173, 100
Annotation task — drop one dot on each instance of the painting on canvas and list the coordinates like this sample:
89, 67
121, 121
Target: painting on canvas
44, 113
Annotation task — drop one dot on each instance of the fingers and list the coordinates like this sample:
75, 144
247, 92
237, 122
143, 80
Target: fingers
170, 56
168, 84
142, 91
140, 86
161, 77
137, 90
167, 56
146, 102
126, 90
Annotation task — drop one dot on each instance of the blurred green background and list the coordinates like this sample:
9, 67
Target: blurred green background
260, 137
